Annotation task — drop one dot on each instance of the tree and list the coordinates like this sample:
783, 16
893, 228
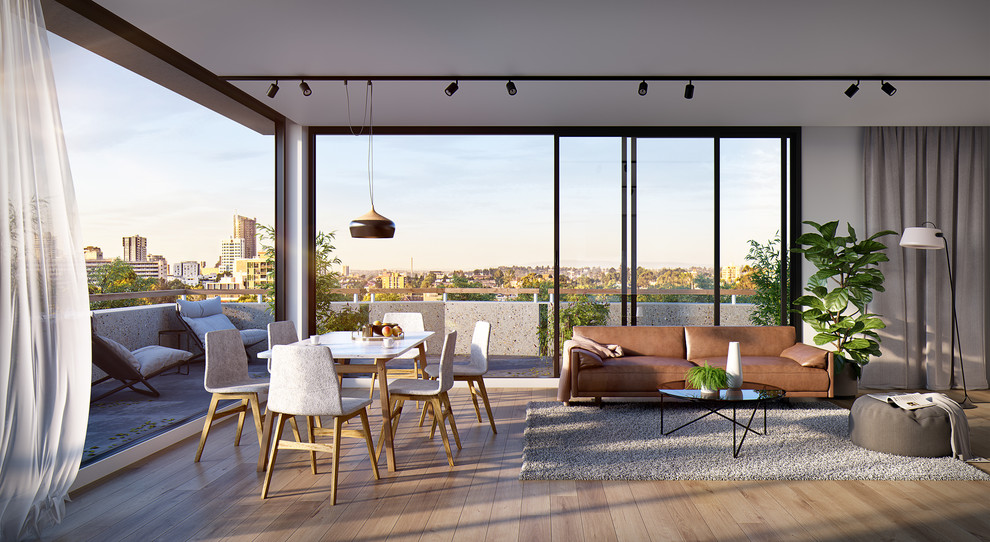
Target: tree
327, 278
115, 277
766, 278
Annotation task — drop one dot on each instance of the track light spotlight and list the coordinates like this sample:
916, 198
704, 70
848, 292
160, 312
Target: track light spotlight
689, 91
853, 89
888, 88
272, 89
510, 87
451, 89
643, 88
304, 87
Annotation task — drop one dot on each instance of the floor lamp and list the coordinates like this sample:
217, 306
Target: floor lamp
928, 237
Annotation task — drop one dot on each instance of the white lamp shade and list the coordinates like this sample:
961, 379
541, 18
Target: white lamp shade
922, 238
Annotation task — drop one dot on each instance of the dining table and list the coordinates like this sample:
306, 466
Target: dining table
349, 351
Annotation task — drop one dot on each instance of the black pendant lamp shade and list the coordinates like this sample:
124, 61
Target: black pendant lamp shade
372, 225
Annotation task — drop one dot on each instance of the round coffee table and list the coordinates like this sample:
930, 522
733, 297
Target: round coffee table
750, 394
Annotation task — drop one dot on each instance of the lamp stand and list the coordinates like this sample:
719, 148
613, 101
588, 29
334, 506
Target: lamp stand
966, 402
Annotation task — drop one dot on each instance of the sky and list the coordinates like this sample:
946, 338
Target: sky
147, 161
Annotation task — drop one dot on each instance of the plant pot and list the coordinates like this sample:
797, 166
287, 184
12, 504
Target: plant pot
708, 392
844, 381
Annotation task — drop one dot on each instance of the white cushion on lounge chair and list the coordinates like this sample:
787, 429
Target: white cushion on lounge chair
154, 358
203, 317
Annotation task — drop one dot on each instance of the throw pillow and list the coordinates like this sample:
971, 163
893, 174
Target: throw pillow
120, 351
602, 350
807, 355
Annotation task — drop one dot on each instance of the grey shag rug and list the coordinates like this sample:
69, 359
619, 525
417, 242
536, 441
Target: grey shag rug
622, 441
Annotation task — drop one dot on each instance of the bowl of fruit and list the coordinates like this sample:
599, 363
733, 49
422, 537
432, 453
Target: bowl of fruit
380, 329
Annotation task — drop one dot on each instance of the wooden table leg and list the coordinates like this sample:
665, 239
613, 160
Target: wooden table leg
386, 414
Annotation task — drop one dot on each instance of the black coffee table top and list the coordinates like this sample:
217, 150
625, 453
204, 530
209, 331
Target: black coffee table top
750, 391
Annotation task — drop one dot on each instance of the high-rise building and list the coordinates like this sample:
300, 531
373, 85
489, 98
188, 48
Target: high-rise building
93, 253
247, 229
135, 249
230, 250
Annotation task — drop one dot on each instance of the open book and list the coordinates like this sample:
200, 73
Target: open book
907, 401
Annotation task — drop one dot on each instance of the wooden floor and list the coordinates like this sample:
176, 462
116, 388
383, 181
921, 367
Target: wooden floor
168, 497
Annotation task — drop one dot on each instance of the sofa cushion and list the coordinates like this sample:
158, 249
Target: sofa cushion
807, 355
779, 372
664, 341
632, 374
711, 341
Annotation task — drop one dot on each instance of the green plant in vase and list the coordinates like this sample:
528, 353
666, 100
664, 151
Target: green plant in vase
707, 378
839, 292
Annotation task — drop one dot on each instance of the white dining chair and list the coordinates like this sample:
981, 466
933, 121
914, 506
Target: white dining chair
304, 383
430, 392
227, 377
474, 371
410, 322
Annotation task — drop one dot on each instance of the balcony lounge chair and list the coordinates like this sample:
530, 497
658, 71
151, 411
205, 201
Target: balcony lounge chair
133, 368
202, 317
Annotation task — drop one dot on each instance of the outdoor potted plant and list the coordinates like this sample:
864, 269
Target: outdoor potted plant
706, 378
839, 292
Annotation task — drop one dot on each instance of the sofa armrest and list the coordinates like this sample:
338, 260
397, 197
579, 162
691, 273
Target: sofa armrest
570, 366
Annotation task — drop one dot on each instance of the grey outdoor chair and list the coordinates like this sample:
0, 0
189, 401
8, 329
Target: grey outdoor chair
304, 383
474, 371
202, 317
431, 392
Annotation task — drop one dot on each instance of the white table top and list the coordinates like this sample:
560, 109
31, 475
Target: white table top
343, 346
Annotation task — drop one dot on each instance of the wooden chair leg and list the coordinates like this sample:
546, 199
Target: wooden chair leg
367, 438
371, 391
443, 432
488, 406
312, 440
206, 426
381, 435
449, 416
474, 399
337, 428
256, 414
279, 425
240, 422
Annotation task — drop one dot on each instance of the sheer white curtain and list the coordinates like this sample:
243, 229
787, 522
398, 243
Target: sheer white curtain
937, 174
44, 315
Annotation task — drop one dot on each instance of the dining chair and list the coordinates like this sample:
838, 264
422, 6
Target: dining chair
411, 322
430, 392
304, 383
227, 378
472, 372
283, 332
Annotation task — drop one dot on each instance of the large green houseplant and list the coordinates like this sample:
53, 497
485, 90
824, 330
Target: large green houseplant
839, 292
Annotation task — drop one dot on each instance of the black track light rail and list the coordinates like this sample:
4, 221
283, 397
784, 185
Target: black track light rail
747, 78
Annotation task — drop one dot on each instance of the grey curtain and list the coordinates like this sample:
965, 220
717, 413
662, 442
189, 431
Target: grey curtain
936, 174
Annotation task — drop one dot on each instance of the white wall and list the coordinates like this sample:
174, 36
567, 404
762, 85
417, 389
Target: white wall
832, 186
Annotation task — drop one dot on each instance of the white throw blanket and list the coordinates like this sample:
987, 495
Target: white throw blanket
958, 423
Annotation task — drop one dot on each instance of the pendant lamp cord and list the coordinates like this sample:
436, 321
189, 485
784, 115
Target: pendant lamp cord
369, 113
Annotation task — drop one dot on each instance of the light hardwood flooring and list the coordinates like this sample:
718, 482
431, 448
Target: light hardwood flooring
168, 497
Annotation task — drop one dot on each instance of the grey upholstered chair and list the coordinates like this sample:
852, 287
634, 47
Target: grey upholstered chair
431, 392
282, 333
304, 383
202, 317
474, 371
227, 378
410, 322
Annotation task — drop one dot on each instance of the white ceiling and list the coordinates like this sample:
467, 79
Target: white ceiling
592, 37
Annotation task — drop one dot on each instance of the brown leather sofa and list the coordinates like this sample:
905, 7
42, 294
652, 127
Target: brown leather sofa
655, 355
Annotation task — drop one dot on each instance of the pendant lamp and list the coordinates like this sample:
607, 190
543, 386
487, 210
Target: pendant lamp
370, 225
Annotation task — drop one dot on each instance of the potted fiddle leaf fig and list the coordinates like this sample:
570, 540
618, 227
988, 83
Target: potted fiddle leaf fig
706, 378
839, 292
